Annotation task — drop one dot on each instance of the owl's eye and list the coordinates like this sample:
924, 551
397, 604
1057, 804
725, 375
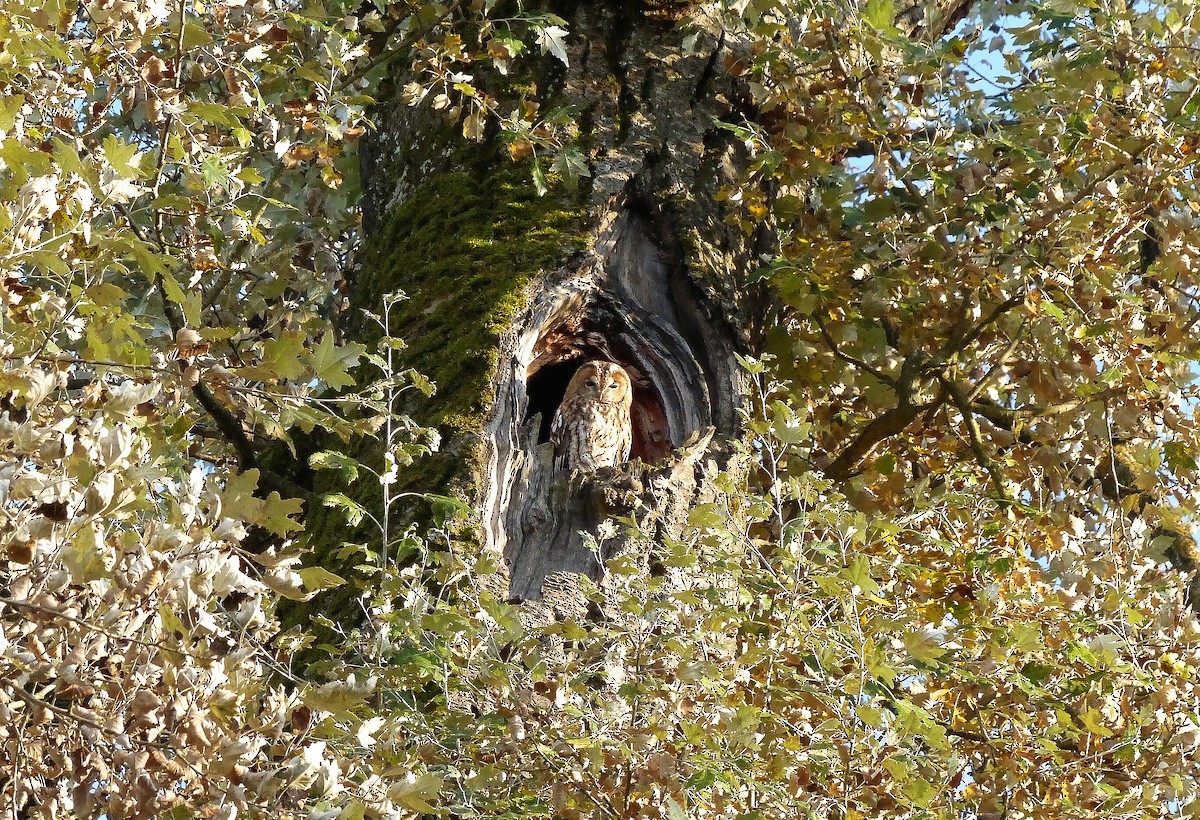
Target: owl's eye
591, 383
612, 386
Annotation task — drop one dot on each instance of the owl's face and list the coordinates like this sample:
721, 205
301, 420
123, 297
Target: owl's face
605, 382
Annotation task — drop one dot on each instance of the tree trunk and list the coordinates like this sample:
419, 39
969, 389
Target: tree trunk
508, 293
636, 267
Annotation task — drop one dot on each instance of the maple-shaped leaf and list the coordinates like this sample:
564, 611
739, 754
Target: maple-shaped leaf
316, 579
281, 358
238, 501
924, 645
552, 40
415, 792
278, 512
859, 574
282, 354
330, 362
121, 155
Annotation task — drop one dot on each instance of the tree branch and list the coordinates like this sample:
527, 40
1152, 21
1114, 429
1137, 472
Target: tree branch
970, 336
959, 396
859, 363
1006, 417
982, 384
226, 420
891, 423
1181, 548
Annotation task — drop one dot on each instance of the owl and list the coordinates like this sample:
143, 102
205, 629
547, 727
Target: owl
591, 428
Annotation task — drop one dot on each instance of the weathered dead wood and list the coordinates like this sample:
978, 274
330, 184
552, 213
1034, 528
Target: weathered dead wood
560, 539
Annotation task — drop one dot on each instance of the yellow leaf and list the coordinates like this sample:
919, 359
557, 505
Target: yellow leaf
277, 514
238, 501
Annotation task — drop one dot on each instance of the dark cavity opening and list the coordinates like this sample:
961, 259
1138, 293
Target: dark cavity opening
546, 388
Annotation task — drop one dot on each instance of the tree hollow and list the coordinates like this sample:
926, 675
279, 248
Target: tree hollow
628, 300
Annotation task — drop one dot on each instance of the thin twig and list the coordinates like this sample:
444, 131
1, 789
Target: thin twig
959, 397
57, 613
846, 357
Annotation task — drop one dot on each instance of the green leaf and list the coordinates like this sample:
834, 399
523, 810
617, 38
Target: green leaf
316, 579
886, 464
1025, 637
421, 382
923, 646
914, 722
448, 508
1179, 456
1092, 720
195, 35
213, 172
859, 574
870, 716
539, 179
331, 363
354, 511
120, 155
155, 265
570, 165
1054, 310
346, 466
415, 792
10, 108
1037, 672
706, 516
919, 791
214, 113
281, 358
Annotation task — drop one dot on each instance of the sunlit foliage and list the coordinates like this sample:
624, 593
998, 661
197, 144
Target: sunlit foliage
945, 577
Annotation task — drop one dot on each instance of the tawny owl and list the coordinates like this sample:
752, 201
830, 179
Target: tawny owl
591, 428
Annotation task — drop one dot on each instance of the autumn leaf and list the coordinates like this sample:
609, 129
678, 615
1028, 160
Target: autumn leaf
552, 40
238, 500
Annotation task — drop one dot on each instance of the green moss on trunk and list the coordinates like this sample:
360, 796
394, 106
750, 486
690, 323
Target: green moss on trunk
464, 247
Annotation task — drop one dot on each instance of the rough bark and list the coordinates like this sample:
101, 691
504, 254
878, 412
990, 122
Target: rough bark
650, 280
629, 304
638, 267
